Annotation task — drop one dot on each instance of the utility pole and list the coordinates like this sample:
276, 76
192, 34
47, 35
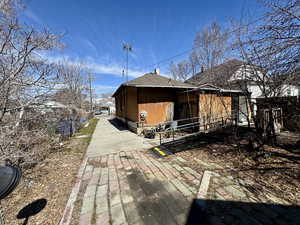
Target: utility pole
128, 49
90, 89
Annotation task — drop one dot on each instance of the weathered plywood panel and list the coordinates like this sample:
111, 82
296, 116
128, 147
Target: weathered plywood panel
126, 104
119, 101
213, 107
186, 105
153, 95
157, 112
131, 103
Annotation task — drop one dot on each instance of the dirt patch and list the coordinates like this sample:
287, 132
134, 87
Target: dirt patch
52, 180
275, 170
45, 181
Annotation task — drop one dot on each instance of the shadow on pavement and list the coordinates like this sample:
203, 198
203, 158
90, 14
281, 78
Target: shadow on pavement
117, 124
217, 212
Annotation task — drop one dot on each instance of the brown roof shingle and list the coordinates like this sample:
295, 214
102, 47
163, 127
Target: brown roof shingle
155, 80
218, 75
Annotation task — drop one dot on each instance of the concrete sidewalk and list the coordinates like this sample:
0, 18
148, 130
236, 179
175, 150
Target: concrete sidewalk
109, 138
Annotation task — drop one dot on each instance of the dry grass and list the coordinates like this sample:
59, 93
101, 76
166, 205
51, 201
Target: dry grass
274, 170
53, 180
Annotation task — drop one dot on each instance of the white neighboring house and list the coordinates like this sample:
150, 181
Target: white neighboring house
252, 78
290, 90
111, 106
107, 102
48, 106
235, 74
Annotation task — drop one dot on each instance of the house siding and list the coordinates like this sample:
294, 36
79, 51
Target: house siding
152, 95
158, 103
126, 104
290, 90
131, 104
187, 105
167, 104
213, 107
209, 107
157, 112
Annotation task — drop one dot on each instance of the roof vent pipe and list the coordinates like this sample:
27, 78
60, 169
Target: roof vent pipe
156, 71
202, 69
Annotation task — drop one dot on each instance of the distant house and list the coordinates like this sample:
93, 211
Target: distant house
238, 75
152, 99
106, 101
291, 85
233, 75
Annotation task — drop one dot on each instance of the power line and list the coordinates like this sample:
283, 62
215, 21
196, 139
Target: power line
191, 49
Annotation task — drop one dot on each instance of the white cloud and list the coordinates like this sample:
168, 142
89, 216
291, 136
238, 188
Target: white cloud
103, 87
90, 63
99, 89
112, 69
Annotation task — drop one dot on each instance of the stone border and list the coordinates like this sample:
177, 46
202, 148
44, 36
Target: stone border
204, 185
67, 215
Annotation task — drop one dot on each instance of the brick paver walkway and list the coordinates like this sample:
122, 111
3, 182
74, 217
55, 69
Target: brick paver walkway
136, 188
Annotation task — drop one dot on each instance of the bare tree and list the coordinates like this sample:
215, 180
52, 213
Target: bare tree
271, 52
180, 71
210, 46
74, 79
25, 77
278, 40
194, 63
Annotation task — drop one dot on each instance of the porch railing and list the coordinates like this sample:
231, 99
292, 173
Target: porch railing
177, 129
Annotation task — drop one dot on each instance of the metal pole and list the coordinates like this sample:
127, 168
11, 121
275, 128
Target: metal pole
127, 48
159, 138
91, 98
173, 133
127, 65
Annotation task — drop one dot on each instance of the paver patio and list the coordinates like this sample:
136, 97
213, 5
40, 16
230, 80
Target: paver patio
136, 188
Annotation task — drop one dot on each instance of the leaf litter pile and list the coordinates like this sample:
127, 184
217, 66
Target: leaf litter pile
274, 170
52, 180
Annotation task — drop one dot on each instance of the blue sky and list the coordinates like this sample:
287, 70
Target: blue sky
96, 29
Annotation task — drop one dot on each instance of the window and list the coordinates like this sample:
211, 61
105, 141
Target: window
289, 92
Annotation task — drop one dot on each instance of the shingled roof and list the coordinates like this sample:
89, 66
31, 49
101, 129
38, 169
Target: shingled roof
218, 75
291, 78
155, 80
